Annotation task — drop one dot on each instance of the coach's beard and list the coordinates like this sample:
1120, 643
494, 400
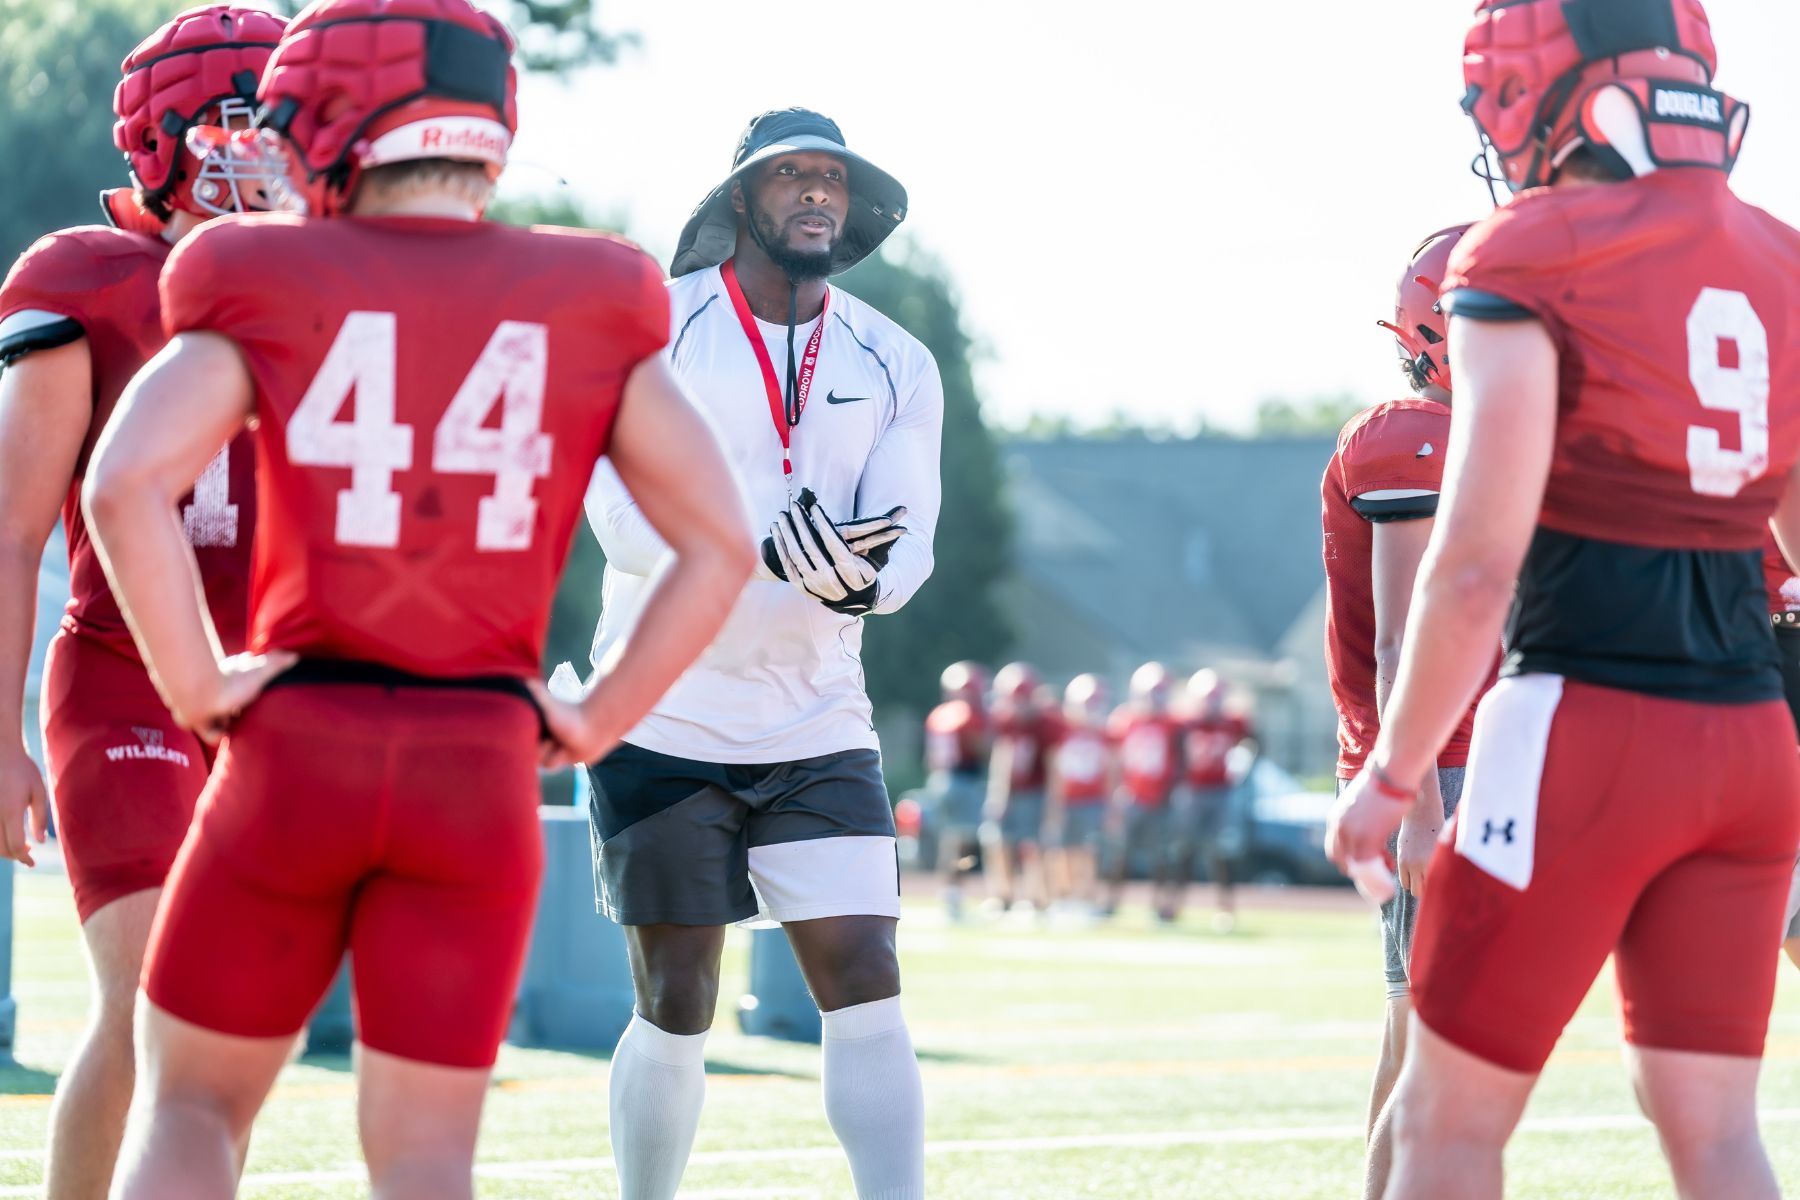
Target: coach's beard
801, 266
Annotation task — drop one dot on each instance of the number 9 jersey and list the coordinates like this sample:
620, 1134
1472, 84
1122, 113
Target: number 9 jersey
1675, 309
418, 502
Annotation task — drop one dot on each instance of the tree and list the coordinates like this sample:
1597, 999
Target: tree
1283, 416
957, 613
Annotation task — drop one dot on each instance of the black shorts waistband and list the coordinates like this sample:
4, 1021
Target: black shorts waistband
1785, 620
372, 674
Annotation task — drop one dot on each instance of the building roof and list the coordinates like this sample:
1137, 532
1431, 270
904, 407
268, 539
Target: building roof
1185, 549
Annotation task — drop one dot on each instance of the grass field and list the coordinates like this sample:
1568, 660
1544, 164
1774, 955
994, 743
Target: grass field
1124, 1062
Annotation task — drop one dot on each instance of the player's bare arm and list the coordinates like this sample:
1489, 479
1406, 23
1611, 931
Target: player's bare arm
45, 407
667, 457
1396, 550
1506, 404
1786, 521
186, 403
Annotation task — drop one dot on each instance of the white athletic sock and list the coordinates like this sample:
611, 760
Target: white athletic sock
655, 1091
874, 1100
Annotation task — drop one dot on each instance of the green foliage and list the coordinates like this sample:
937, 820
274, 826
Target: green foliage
957, 613
1285, 416
56, 82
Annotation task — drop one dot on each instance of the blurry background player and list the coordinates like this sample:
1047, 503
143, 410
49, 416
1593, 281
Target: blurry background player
1210, 803
1081, 778
1148, 740
756, 785
78, 317
1784, 615
431, 394
1627, 419
1012, 827
957, 743
1379, 497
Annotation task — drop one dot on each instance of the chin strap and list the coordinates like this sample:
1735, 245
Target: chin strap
1636, 126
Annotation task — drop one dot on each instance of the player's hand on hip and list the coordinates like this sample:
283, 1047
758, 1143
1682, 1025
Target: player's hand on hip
572, 741
241, 679
24, 805
835, 565
1418, 841
1362, 821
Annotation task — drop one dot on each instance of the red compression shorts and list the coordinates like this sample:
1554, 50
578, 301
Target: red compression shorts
1593, 822
400, 823
123, 775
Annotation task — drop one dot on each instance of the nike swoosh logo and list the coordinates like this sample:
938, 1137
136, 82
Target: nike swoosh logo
834, 398
1425, 451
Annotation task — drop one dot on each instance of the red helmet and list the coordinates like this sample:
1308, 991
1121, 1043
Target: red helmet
359, 83
1017, 682
1418, 324
204, 60
1085, 698
965, 681
1530, 67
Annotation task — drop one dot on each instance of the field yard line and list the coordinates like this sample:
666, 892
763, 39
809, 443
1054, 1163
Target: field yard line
1090, 1141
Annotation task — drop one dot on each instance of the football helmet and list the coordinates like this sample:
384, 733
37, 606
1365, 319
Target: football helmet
1084, 700
1531, 66
199, 70
1017, 682
361, 83
965, 681
1150, 686
1419, 329
1206, 693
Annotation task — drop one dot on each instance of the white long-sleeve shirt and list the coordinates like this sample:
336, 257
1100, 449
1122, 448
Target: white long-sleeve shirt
783, 680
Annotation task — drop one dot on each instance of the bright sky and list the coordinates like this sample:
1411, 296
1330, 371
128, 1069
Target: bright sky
1170, 210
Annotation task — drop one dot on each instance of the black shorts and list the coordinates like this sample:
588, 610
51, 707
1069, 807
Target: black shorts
683, 842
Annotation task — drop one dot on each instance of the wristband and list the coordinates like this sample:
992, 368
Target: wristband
1384, 786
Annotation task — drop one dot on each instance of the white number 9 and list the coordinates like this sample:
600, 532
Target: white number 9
1720, 315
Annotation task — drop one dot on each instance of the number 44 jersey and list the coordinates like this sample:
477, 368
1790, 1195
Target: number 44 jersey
431, 397
1675, 309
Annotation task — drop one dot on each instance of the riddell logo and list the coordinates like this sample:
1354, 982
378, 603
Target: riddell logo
466, 140
1689, 106
149, 747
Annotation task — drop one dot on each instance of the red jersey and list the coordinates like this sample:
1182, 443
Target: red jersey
1208, 743
1675, 308
431, 397
1083, 764
1782, 583
956, 738
1028, 736
1149, 754
1389, 466
104, 280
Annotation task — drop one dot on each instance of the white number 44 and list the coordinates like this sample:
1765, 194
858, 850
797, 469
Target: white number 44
510, 372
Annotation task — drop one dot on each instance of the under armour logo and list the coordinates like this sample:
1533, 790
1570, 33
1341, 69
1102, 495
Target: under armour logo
151, 738
1489, 830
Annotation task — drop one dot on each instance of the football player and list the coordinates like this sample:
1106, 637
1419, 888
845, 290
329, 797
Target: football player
957, 744
1214, 813
431, 393
78, 317
1627, 420
1081, 777
1148, 736
1379, 497
1012, 827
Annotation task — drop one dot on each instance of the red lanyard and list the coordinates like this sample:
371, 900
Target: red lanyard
778, 412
